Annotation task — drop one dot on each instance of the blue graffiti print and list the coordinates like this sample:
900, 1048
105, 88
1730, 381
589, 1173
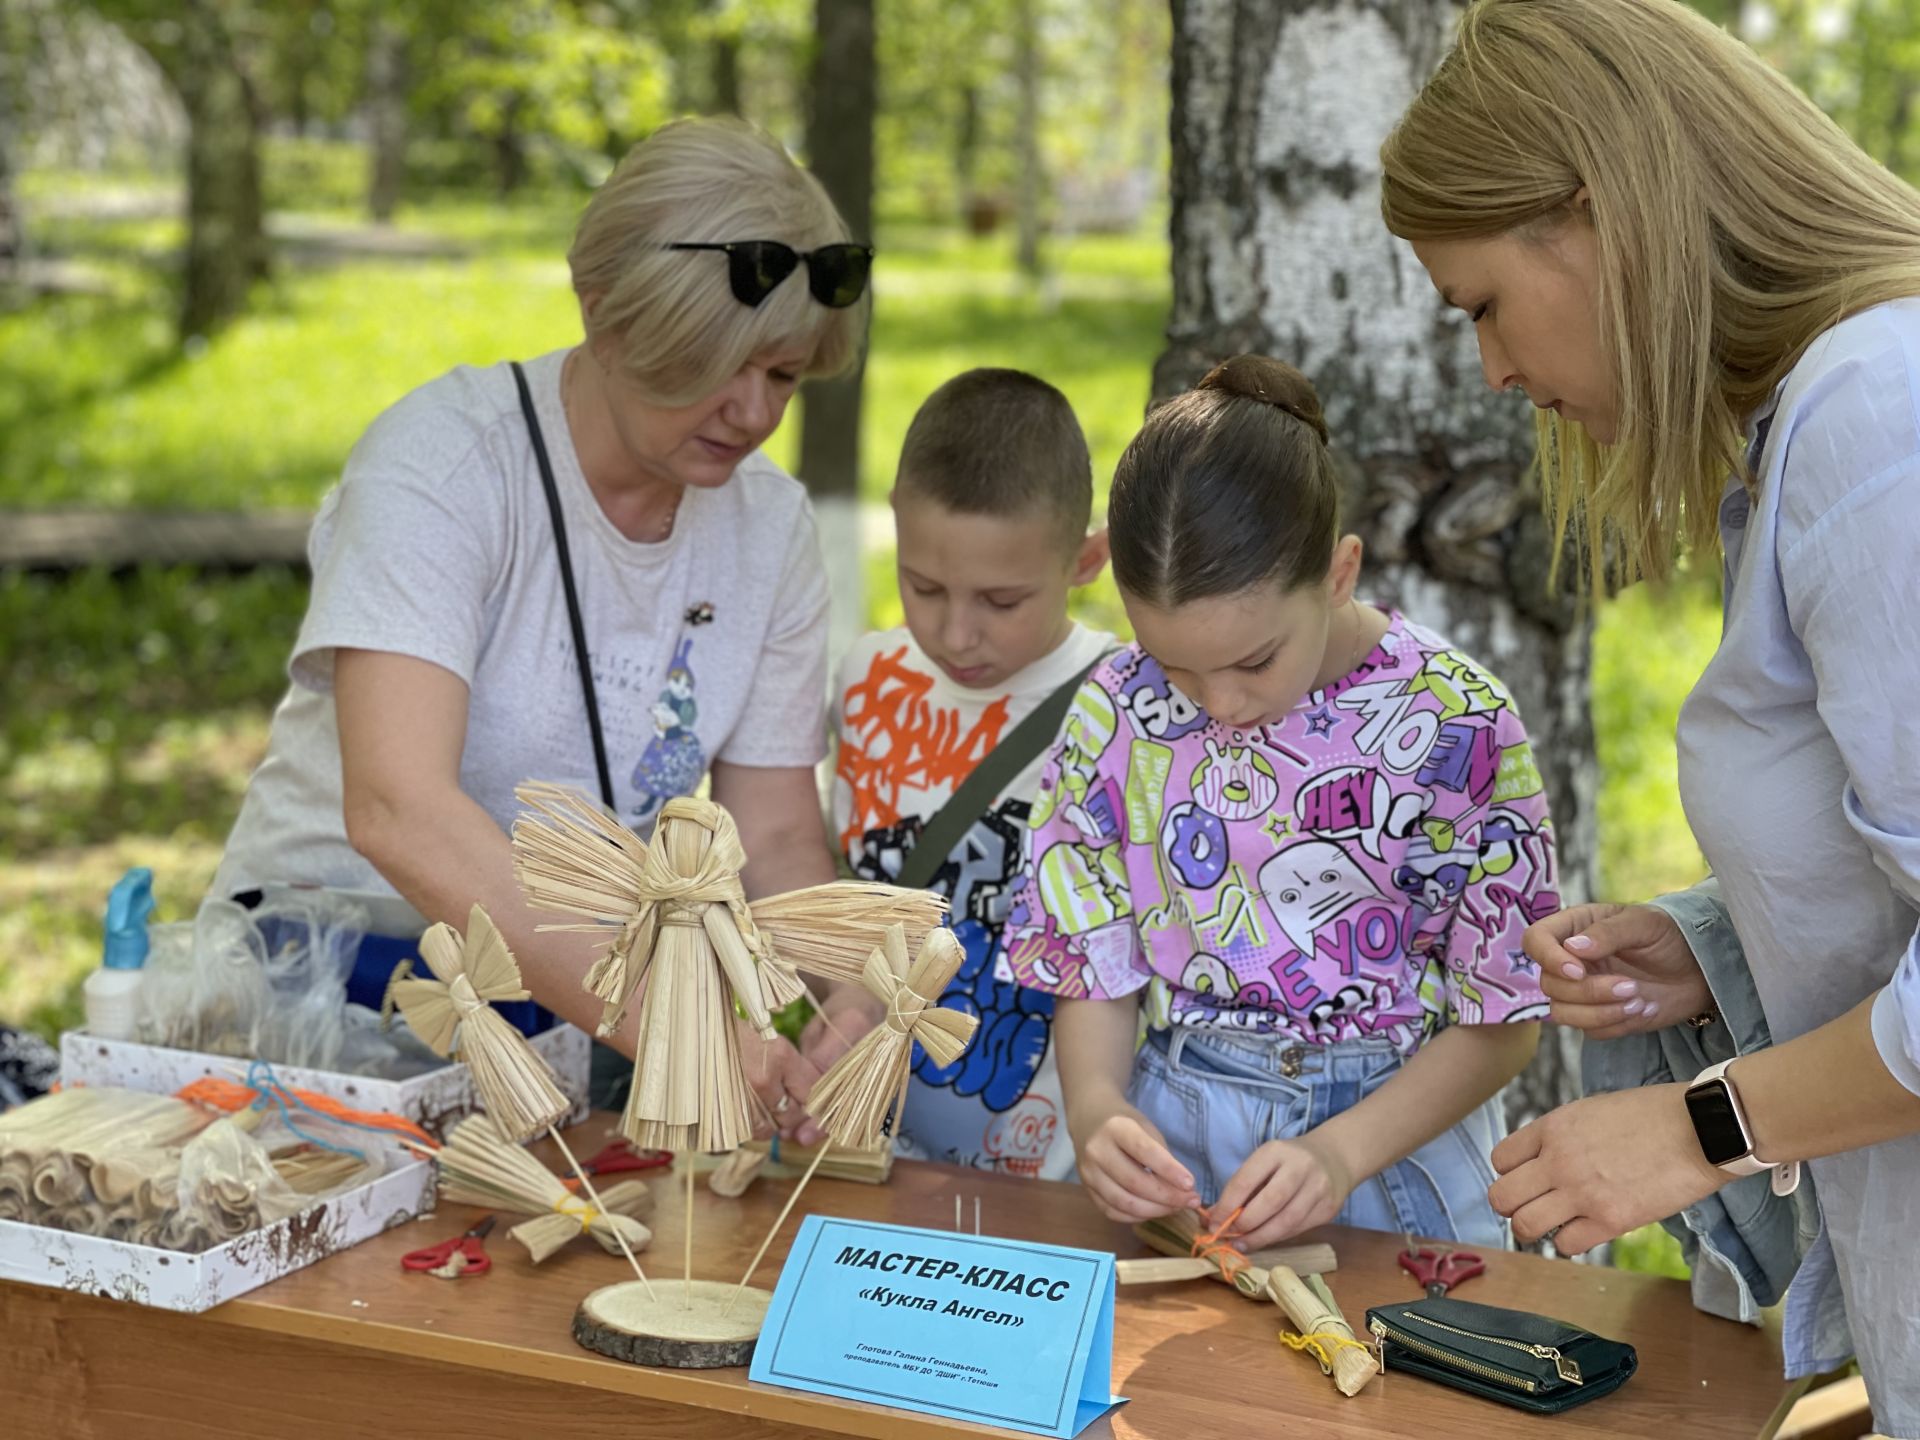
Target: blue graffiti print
1014, 1025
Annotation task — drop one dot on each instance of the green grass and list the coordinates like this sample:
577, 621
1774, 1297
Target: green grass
100, 409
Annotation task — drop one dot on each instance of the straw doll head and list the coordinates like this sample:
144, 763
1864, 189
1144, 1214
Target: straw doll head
571, 856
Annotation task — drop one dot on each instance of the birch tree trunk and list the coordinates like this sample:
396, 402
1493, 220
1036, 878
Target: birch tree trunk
1279, 108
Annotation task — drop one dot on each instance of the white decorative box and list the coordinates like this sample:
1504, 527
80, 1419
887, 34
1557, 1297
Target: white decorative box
173, 1280
434, 1101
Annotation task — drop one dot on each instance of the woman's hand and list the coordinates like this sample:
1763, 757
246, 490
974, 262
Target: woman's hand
847, 1012
1127, 1168
1593, 1170
1282, 1188
783, 1078
1614, 970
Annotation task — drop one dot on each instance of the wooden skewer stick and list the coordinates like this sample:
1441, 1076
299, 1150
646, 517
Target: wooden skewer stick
1303, 1259
865, 1086
1314, 1311
688, 1291
598, 1204
760, 1254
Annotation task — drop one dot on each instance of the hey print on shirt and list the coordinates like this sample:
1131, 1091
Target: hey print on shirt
1363, 867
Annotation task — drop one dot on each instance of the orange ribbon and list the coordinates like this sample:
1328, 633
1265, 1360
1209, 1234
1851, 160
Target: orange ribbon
231, 1096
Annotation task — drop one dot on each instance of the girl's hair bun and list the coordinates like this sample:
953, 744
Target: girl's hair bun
1271, 382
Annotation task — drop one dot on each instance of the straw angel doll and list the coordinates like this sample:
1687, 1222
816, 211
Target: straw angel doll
452, 1012
684, 928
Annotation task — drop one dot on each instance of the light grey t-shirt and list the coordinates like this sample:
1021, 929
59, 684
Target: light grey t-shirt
437, 544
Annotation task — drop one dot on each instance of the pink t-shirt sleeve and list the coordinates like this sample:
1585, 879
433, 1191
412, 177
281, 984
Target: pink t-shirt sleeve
1514, 882
1070, 930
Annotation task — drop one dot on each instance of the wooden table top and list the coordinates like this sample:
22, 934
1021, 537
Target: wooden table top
1194, 1357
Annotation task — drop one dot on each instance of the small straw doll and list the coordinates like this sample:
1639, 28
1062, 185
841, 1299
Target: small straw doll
451, 1014
857, 1101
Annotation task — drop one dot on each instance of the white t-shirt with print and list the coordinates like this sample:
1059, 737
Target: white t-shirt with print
908, 737
437, 544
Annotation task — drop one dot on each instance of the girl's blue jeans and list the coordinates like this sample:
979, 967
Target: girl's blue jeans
1217, 1098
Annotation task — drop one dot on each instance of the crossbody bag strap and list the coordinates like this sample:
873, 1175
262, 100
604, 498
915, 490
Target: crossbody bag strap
975, 794
566, 580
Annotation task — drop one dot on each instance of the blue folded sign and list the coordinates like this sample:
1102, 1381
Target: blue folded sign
998, 1332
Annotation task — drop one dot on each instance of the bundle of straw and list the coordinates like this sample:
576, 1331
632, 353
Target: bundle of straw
1321, 1329
734, 1176
824, 930
571, 856
152, 1170
480, 1166
854, 1101
61, 1154
1186, 1233
451, 1011
307, 1171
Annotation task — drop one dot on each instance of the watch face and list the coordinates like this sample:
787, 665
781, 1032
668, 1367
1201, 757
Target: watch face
1717, 1123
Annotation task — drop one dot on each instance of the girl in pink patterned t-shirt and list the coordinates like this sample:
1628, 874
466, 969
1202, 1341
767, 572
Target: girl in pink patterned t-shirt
1309, 832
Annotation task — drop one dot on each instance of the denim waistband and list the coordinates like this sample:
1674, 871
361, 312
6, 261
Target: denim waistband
1265, 1059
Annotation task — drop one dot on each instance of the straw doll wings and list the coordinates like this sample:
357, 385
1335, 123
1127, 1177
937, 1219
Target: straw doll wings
854, 1099
569, 855
454, 1010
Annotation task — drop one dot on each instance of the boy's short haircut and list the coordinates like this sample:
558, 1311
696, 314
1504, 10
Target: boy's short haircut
1000, 442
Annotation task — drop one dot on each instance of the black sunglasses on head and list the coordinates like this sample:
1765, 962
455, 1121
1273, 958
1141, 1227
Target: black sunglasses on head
836, 274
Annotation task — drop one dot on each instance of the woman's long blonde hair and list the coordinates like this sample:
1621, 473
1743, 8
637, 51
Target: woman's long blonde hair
1734, 223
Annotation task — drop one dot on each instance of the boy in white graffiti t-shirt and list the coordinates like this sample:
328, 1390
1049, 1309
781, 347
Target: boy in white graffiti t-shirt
991, 507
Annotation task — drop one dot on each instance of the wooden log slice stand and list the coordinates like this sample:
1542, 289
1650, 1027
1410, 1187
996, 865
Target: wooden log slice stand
688, 1327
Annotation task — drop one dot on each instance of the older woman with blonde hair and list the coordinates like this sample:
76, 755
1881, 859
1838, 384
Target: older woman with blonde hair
583, 569
1714, 298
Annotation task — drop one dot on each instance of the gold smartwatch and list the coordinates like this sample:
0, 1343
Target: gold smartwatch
1720, 1124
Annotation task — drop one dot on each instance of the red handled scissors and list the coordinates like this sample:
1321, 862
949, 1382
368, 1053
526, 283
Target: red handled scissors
618, 1157
1441, 1270
439, 1259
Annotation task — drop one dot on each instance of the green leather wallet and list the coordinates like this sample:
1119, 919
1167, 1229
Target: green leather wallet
1518, 1358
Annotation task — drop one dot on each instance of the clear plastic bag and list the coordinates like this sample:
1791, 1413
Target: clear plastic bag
228, 1186
311, 939
271, 984
206, 982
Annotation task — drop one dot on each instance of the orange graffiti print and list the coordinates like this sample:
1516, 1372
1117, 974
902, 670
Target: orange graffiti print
893, 740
